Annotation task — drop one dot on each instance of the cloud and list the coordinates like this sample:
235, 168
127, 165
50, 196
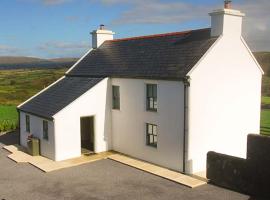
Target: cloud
256, 25
157, 11
8, 50
63, 49
54, 2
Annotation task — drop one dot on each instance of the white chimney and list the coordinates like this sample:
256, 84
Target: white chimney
226, 21
101, 35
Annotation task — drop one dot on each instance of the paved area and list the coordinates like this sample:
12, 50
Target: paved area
159, 171
100, 180
46, 165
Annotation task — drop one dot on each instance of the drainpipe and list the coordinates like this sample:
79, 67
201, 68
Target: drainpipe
186, 82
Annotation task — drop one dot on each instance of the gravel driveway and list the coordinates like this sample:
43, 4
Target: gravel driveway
100, 180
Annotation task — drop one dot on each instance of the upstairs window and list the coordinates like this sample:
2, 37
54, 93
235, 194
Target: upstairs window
151, 97
45, 130
116, 97
151, 135
27, 123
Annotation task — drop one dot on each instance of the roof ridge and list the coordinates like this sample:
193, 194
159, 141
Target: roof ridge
156, 35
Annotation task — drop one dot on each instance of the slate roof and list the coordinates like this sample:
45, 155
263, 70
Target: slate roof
163, 56
58, 96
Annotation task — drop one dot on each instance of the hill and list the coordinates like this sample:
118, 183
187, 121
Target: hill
10, 62
264, 60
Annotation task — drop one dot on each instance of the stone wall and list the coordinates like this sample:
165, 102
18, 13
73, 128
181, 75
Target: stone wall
251, 175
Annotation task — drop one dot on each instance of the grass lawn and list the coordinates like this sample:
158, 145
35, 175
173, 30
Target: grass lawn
265, 100
265, 122
18, 85
8, 117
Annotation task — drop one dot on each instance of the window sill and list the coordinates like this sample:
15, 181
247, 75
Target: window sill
152, 146
153, 111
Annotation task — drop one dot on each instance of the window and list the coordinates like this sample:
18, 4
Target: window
151, 97
116, 97
27, 123
45, 130
151, 135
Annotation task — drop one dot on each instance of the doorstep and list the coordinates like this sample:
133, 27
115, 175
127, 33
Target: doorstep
174, 176
19, 155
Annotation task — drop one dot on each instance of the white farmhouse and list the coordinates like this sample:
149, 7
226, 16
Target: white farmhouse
167, 99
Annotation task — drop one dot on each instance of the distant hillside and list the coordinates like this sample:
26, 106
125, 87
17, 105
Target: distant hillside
264, 60
9, 62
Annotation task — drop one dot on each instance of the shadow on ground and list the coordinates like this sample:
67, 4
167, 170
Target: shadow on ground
10, 138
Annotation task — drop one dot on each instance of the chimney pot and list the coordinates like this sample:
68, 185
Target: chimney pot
101, 26
227, 4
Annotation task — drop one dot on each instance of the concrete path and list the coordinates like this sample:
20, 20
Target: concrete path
159, 171
46, 165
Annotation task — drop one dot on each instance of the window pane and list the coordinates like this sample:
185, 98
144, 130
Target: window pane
151, 135
149, 90
155, 104
116, 97
154, 130
149, 128
151, 139
151, 103
27, 123
154, 90
45, 129
155, 139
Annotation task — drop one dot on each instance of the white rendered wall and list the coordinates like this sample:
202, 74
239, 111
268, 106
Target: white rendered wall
94, 102
99, 36
226, 21
224, 102
129, 123
36, 129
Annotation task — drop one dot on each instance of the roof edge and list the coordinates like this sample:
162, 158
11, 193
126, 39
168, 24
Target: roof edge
131, 77
37, 115
156, 35
251, 54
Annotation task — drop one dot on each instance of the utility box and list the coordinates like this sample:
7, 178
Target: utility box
33, 147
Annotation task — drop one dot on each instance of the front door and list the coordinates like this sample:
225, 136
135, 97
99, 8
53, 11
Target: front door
87, 134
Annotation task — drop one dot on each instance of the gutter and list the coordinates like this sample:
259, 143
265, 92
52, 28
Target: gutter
186, 82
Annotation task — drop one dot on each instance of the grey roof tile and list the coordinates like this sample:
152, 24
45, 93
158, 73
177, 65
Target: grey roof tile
165, 56
58, 96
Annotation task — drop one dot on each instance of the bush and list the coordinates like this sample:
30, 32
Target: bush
8, 125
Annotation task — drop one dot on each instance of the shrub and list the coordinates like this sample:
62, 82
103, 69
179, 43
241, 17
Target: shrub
8, 125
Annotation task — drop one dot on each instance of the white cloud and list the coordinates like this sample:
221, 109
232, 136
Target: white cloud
64, 49
256, 26
6, 50
54, 2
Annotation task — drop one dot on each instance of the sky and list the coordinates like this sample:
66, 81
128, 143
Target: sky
60, 28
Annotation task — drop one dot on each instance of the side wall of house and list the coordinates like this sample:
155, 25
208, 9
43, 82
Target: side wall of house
129, 123
224, 102
36, 129
94, 102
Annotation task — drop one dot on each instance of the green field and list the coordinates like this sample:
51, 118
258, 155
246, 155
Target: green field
18, 85
265, 100
265, 122
8, 117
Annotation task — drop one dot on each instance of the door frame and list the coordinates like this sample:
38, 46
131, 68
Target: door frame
94, 129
